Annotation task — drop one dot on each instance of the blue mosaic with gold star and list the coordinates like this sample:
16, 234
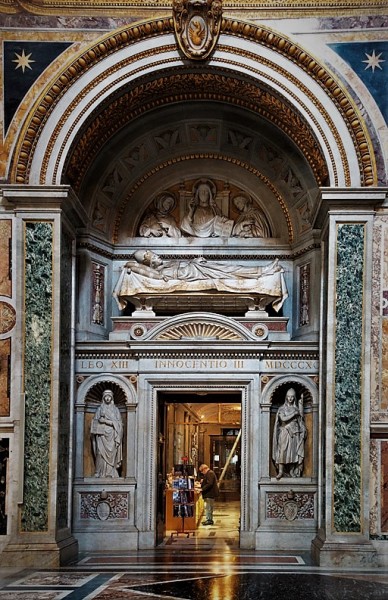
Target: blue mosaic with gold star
23, 63
370, 61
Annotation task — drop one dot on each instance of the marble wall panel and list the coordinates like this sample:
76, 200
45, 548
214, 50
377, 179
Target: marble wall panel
5, 257
4, 456
38, 239
384, 487
64, 383
384, 324
5, 358
348, 377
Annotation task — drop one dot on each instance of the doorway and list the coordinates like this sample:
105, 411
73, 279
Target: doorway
197, 428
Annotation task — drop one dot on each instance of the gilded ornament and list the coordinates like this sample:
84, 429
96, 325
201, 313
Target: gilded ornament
197, 26
7, 317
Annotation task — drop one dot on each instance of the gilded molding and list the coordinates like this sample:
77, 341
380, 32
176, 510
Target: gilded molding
183, 86
213, 156
293, 8
265, 36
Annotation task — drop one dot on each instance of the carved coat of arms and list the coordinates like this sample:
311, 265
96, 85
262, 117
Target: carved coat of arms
197, 26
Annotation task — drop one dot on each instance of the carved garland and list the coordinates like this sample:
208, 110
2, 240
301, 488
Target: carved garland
24, 150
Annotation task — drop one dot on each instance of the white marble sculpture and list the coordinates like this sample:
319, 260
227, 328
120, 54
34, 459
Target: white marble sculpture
107, 437
203, 217
251, 222
159, 222
148, 274
289, 436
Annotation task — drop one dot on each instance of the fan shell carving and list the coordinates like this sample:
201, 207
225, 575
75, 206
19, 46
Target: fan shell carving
199, 331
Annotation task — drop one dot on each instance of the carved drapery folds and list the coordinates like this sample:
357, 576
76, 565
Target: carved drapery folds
205, 211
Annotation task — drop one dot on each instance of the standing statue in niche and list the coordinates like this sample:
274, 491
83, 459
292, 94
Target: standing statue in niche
160, 222
204, 218
251, 222
289, 435
107, 437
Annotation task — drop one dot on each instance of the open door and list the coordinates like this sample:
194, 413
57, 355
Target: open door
195, 429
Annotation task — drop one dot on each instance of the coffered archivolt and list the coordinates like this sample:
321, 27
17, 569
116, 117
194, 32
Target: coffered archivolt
121, 77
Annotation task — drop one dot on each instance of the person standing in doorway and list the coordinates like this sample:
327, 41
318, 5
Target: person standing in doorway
209, 489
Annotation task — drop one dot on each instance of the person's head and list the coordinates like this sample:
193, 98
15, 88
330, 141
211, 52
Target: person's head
107, 396
148, 258
290, 396
203, 469
165, 203
242, 203
204, 193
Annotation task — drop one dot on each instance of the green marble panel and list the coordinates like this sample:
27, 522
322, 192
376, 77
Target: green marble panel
348, 377
37, 373
64, 383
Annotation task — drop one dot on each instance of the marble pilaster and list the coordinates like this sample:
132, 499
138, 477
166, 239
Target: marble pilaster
39, 528
346, 218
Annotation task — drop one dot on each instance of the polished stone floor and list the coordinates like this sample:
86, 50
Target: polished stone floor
205, 566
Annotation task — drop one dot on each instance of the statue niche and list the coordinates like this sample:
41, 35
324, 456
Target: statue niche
104, 431
289, 434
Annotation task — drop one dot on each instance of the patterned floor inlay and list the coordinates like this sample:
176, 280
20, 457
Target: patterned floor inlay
269, 586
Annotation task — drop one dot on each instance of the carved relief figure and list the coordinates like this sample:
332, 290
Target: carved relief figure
107, 437
251, 222
289, 437
160, 222
149, 274
203, 217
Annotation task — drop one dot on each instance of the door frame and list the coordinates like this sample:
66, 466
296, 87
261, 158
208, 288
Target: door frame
151, 386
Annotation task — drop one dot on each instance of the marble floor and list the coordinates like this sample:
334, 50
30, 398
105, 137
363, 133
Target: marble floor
205, 566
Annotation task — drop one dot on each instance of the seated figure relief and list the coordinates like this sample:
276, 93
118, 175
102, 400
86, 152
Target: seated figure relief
159, 222
203, 217
251, 222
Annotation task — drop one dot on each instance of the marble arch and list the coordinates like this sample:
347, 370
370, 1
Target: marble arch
70, 109
95, 138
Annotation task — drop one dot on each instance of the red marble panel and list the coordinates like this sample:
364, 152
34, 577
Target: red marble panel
384, 486
5, 357
5, 257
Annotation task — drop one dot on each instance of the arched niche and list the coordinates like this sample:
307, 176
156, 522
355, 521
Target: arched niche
89, 398
273, 396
